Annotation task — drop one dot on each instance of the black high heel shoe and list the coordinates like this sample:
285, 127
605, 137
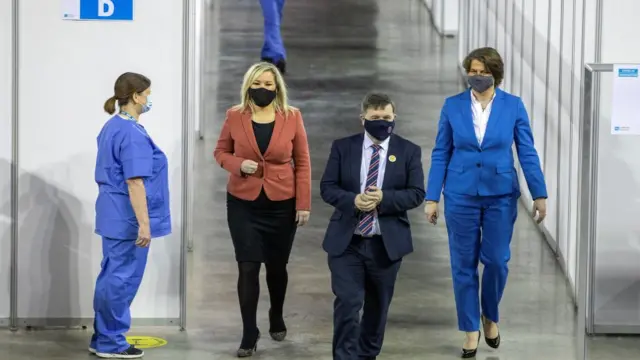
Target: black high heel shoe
493, 343
242, 353
277, 328
467, 353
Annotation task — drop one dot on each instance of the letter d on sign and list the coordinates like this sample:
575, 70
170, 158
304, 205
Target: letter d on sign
105, 8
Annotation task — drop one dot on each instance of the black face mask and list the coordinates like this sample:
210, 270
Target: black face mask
262, 97
379, 129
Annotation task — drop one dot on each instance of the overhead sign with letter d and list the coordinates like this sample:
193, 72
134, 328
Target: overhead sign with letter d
106, 10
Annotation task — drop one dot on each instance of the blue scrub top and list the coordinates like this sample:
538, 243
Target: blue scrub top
125, 151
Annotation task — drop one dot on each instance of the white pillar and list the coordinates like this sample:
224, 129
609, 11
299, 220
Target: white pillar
6, 144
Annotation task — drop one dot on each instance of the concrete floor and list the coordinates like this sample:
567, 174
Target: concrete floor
339, 50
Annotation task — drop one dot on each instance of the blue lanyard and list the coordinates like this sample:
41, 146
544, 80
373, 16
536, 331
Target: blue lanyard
128, 116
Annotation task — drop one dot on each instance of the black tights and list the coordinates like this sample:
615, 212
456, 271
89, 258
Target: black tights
249, 293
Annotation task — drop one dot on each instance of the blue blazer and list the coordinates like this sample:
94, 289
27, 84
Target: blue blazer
402, 190
461, 166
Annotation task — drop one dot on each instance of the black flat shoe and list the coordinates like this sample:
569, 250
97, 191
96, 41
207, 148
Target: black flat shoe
277, 328
467, 353
493, 343
243, 352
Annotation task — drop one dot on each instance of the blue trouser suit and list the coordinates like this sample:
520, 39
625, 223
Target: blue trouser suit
480, 228
273, 47
122, 266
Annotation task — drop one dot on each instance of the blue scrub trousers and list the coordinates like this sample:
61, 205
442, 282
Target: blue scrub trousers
123, 266
273, 47
480, 228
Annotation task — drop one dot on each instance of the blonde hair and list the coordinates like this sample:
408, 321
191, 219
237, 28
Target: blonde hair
280, 103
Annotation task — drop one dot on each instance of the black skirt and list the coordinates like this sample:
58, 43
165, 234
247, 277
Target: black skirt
262, 230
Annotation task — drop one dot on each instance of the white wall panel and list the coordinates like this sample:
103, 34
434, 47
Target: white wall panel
514, 60
451, 8
445, 15
483, 23
564, 126
492, 17
619, 20
527, 51
198, 36
501, 18
539, 65
6, 106
67, 71
551, 123
508, 51
474, 14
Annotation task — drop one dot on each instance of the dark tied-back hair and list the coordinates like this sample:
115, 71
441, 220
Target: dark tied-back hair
377, 101
490, 58
126, 85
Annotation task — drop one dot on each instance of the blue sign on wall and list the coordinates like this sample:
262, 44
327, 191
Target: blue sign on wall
98, 10
627, 72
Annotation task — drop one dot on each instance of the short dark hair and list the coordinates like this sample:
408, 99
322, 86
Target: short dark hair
377, 101
126, 85
490, 58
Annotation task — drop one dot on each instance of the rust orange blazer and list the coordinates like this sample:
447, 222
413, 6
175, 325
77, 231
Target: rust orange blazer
285, 169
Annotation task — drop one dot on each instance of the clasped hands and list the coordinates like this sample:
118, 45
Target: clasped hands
369, 200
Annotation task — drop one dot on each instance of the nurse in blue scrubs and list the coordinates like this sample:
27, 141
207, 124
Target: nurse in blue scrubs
273, 50
132, 208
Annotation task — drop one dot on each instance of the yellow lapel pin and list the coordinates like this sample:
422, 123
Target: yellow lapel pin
392, 158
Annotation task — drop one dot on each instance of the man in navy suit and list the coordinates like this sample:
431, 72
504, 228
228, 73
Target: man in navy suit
372, 179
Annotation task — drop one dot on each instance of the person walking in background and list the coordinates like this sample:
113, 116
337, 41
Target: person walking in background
132, 208
371, 179
473, 161
273, 49
263, 145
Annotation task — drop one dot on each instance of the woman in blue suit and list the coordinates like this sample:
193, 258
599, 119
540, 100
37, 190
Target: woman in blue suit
131, 209
473, 163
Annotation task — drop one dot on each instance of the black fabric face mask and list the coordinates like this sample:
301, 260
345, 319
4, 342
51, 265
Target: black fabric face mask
379, 129
262, 97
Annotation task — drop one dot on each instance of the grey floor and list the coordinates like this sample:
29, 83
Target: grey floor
338, 50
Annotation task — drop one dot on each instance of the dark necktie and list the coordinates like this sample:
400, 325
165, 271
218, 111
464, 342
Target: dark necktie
366, 221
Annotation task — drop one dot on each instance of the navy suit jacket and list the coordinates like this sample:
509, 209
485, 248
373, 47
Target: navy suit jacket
462, 166
402, 190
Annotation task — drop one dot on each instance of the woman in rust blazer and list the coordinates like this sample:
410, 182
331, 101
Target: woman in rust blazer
263, 145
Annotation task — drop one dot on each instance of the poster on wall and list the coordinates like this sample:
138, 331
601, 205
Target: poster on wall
625, 100
102, 10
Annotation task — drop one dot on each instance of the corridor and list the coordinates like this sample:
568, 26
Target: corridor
336, 54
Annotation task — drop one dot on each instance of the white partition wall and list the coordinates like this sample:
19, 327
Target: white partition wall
544, 44
614, 230
6, 143
67, 70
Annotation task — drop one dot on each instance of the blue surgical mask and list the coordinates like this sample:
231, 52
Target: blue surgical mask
146, 107
379, 129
